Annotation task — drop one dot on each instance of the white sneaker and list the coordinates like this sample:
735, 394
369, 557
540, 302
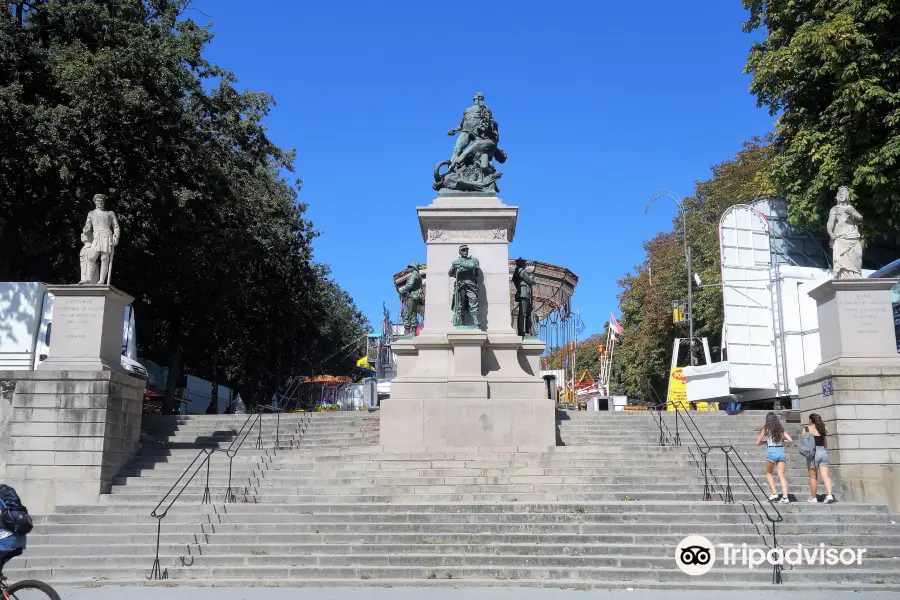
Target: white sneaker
773, 497
784, 500
812, 500
829, 499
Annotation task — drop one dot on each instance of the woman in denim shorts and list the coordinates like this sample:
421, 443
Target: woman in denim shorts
774, 436
819, 461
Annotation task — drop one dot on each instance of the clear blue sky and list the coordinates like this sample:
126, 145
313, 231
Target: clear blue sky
600, 105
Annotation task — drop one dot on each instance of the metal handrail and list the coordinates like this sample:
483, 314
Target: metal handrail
728, 451
252, 421
703, 448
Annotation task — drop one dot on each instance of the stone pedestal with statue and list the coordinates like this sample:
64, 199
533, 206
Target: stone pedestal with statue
468, 379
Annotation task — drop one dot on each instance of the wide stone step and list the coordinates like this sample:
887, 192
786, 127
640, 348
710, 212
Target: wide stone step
528, 545
328, 575
628, 558
302, 523
544, 496
272, 481
263, 490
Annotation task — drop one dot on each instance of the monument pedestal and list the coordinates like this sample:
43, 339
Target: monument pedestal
70, 433
460, 386
856, 388
76, 420
87, 328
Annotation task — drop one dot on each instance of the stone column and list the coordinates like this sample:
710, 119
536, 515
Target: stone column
856, 388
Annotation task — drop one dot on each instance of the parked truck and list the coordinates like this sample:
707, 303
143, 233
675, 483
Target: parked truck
26, 328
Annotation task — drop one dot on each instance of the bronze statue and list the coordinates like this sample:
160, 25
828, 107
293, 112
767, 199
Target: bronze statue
524, 285
412, 296
465, 288
845, 241
470, 168
100, 236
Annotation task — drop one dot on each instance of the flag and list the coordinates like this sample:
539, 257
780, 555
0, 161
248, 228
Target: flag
615, 324
566, 363
579, 323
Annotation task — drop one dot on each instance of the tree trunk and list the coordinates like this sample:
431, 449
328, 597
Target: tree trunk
214, 388
172, 381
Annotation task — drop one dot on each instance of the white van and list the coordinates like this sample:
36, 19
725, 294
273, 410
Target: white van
26, 327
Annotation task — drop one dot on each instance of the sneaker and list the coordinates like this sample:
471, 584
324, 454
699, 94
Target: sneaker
784, 500
829, 499
773, 497
812, 500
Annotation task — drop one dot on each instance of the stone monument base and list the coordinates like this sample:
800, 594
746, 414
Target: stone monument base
860, 407
856, 388
70, 433
87, 328
468, 422
468, 388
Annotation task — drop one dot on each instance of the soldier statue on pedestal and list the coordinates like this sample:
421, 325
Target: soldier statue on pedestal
412, 296
465, 288
524, 285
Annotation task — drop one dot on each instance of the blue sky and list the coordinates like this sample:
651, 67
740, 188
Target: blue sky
600, 105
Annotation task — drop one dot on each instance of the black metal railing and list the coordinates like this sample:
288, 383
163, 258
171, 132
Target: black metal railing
204, 458
704, 448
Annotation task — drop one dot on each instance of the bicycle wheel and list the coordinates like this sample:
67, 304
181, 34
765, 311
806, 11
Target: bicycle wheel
31, 590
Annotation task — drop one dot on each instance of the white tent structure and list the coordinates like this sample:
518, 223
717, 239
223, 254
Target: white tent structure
770, 335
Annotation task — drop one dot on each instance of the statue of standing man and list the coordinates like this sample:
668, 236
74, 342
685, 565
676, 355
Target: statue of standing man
412, 296
524, 285
845, 240
100, 236
465, 288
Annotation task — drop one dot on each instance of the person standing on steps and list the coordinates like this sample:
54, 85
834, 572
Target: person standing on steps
774, 436
819, 461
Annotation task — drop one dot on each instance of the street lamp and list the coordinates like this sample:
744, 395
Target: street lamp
687, 261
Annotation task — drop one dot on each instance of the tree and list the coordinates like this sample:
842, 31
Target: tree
115, 96
642, 360
832, 69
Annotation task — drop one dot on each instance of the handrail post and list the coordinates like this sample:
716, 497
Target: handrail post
206, 497
677, 434
277, 427
259, 433
707, 493
156, 572
729, 497
229, 495
776, 568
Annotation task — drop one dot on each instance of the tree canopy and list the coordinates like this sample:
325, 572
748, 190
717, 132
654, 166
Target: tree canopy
116, 97
832, 69
641, 361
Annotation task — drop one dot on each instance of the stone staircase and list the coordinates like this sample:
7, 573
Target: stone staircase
327, 506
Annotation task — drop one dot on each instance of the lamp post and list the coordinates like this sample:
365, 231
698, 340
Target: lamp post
687, 261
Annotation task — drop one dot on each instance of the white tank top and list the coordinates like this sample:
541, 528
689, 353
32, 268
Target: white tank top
770, 443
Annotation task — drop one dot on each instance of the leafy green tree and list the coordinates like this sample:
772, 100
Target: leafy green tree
641, 362
115, 96
832, 69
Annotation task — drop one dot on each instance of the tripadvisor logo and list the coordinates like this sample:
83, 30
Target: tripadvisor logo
696, 555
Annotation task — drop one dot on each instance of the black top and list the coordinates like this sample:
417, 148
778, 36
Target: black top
820, 440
